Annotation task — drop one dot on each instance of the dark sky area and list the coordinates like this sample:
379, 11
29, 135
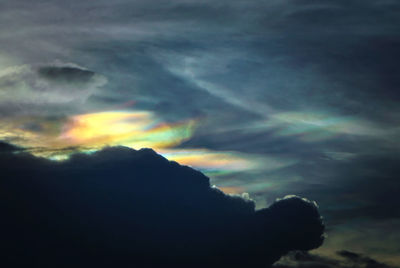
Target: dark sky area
266, 98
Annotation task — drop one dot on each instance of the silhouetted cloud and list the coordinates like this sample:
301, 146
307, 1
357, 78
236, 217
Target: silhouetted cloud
8, 148
121, 206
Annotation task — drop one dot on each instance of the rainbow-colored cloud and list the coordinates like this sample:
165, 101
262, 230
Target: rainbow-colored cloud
57, 139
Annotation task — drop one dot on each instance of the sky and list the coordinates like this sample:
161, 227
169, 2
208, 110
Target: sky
268, 98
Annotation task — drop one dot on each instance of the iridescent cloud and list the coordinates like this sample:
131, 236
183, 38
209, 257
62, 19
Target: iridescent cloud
212, 163
132, 129
57, 139
317, 126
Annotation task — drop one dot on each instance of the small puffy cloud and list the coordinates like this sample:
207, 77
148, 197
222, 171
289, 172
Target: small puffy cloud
26, 88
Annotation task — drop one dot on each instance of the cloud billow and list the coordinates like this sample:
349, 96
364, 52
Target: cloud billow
120, 206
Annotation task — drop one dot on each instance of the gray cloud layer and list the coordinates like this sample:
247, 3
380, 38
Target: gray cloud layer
45, 89
345, 259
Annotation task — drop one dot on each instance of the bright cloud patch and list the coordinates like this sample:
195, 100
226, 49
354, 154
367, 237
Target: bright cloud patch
58, 138
132, 129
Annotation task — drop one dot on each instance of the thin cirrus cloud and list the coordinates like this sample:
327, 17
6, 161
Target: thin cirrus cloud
318, 126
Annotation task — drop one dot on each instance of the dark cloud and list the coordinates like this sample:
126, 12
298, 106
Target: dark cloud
65, 74
121, 206
343, 259
8, 148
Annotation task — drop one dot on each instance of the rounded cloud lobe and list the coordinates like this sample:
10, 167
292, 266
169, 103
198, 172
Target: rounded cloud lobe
120, 206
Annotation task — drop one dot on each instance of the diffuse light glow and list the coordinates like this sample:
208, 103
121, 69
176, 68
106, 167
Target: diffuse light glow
318, 126
210, 162
57, 139
132, 129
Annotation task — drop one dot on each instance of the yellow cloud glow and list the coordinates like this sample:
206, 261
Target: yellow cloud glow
57, 139
132, 129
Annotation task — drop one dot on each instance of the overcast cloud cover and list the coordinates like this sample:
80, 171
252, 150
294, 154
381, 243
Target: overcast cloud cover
308, 88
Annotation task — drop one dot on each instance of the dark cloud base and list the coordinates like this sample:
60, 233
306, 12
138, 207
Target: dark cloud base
119, 207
